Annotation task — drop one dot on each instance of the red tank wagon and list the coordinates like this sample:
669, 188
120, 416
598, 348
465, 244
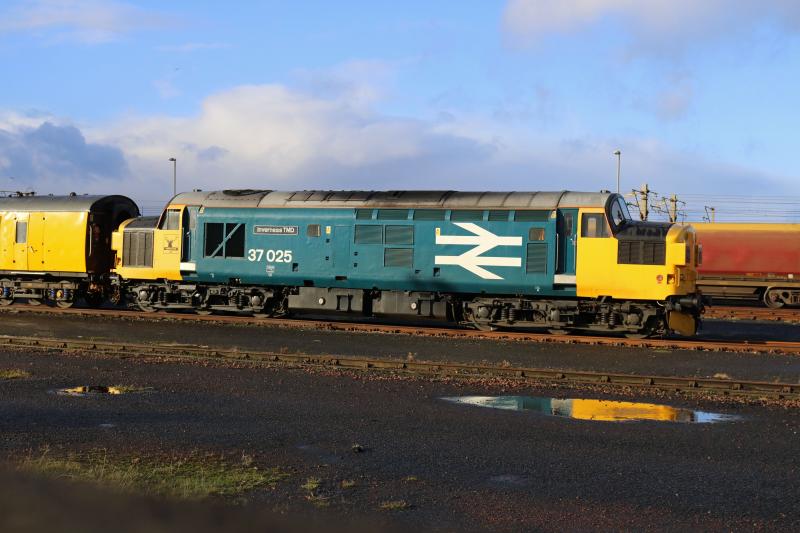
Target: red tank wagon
750, 261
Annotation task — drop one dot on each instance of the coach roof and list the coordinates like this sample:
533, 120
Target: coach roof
393, 199
71, 203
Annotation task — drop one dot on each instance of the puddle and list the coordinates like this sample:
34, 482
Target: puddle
597, 410
97, 390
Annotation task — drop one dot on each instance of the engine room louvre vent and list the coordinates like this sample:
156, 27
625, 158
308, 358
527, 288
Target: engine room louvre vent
137, 249
399, 235
536, 262
531, 216
641, 253
398, 257
368, 234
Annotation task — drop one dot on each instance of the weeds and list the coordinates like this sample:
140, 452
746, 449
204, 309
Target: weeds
191, 477
395, 505
14, 373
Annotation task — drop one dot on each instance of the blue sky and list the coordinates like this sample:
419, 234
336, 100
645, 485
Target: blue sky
701, 97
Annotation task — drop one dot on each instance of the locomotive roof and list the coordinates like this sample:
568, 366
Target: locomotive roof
393, 199
84, 202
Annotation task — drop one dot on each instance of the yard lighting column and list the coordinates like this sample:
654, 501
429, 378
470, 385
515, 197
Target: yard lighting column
619, 159
175, 176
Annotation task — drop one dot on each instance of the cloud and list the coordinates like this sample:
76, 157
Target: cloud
276, 137
55, 156
665, 25
84, 21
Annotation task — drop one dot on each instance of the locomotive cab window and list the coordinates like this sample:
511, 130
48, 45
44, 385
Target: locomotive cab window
619, 213
224, 240
171, 220
22, 232
593, 225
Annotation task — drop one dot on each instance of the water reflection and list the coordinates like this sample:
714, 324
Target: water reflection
597, 410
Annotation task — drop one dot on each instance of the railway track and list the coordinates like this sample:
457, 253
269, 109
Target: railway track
791, 316
709, 386
746, 346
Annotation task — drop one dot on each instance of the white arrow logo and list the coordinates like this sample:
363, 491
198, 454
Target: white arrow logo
472, 260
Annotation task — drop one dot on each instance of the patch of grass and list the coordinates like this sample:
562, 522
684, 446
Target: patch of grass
395, 505
14, 373
318, 500
348, 483
311, 484
410, 479
191, 477
124, 389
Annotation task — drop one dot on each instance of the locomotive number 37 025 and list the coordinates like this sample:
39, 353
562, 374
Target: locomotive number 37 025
270, 256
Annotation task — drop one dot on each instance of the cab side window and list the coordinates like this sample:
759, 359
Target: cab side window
593, 225
172, 220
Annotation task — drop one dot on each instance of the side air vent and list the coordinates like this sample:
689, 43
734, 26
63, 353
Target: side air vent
398, 257
536, 262
634, 252
137, 248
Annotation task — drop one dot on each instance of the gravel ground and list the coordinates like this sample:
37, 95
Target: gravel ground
457, 467
765, 367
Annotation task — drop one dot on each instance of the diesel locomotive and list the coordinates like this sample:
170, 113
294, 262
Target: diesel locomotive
556, 260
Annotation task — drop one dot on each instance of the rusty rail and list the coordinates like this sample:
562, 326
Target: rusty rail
670, 343
712, 386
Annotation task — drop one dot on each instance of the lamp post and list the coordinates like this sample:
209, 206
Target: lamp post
175, 176
619, 161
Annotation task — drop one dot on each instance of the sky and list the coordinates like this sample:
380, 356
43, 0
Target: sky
700, 97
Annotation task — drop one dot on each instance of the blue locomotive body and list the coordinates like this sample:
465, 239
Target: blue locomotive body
503, 252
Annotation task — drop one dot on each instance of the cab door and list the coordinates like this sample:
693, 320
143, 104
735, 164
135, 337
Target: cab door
167, 245
36, 258
20, 260
567, 244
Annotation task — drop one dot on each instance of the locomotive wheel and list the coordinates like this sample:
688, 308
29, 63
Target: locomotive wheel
64, 304
484, 326
6, 301
558, 332
774, 299
34, 301
203, 312
637, 336
146, 307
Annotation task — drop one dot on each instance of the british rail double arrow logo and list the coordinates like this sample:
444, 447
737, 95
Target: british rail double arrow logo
473, 259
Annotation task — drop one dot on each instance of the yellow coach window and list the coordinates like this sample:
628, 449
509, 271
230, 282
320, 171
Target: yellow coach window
593, 225
22, 232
